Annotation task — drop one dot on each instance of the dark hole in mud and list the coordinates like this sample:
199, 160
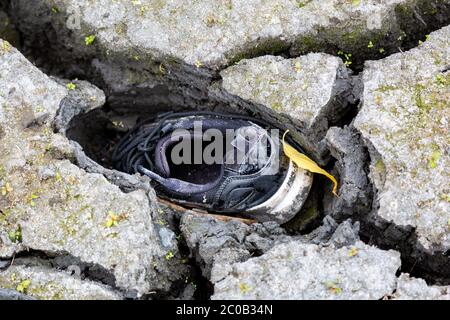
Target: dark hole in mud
99, 131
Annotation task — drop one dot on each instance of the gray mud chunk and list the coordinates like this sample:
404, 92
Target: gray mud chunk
83, 98
27, 96
324, 232
296, 270
303, 88
207, 237
346, 234
216, 33
404, 119
330, 232
308, 93
52, 206
417, 289
47, 284
216, 245
116, 233
354, 198
9, 294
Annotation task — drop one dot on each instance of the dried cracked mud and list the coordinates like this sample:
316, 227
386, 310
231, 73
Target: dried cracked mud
363, 87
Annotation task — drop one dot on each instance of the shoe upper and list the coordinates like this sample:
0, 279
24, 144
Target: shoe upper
250, 172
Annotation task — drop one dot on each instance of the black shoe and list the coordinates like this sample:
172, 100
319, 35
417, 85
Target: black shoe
253, 177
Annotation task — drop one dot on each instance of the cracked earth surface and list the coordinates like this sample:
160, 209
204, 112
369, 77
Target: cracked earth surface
363, 86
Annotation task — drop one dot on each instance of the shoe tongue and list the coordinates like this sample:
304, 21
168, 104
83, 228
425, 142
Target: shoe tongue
249, 151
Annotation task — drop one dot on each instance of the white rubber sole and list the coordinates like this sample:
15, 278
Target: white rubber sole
289, 198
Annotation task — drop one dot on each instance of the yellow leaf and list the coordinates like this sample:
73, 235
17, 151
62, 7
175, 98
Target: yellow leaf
198, 63
434, 159
169, 255
6, 189
23, 286
114, 219
306, 163
298, 67
353, 252
71, 86
333, 287
89, 40
162, 69
244, 288
110, 223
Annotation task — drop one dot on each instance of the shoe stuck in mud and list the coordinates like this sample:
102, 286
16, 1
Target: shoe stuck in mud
222, 163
